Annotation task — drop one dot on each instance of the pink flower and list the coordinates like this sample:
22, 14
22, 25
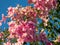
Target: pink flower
12, 23
3, 18
12, 27
31, 1
8, 43
42, 37
20, 41
49, 43
1, 35
12, 35
25, 30
11, 11
0, 23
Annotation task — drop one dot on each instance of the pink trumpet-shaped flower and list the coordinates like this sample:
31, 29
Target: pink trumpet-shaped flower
1, 35
0, 23
8, 43
3, 18
11, 11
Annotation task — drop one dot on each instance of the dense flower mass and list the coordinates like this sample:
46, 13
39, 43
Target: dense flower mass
25, 30
23, 22
43, 7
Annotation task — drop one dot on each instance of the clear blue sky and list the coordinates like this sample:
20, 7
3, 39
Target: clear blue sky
4, 4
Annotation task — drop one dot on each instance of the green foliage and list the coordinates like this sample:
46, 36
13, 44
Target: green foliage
13, 40
6, 33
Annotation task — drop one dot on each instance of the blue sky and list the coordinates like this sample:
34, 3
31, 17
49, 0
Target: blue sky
4, 4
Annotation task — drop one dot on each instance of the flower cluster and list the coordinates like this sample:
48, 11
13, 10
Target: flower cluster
17, 13
24, 19
43, 7
25, 30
